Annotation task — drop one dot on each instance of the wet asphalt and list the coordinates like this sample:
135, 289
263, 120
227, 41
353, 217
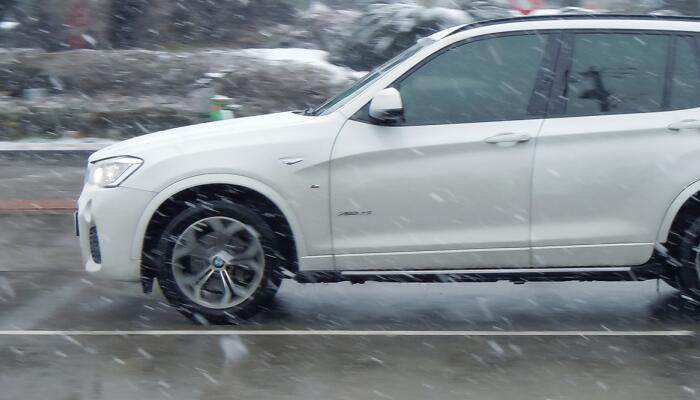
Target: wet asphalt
354, 365
578, 342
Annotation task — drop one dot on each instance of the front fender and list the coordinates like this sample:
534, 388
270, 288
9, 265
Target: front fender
219, 179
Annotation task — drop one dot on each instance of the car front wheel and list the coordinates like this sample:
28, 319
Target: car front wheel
218, 263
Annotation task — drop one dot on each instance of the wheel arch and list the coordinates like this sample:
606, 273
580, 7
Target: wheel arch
242, 184
686, 203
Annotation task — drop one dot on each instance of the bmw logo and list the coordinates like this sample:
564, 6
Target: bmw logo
218, 262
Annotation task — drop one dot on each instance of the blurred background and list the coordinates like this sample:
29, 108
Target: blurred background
120, 68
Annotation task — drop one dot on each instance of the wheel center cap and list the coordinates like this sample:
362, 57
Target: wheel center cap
218, 262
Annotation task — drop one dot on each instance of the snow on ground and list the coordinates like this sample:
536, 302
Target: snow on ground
449, 15
316, 58
61, 144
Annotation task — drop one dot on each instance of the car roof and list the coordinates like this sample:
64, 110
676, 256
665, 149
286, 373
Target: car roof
577, 21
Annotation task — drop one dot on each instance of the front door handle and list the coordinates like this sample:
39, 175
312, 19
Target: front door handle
508, 137
685, 124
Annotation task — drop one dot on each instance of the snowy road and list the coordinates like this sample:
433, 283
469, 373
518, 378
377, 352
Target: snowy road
66, 336
575, 341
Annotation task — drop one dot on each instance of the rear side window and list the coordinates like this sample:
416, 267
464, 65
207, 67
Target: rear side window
616, 73
487, 80
685, 84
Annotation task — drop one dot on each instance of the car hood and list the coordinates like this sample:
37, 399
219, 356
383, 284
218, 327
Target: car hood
202, 135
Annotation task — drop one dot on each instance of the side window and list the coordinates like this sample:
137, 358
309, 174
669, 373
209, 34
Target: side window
685, 86
486, 80
616, 73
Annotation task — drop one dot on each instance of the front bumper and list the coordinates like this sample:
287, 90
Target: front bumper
106, 222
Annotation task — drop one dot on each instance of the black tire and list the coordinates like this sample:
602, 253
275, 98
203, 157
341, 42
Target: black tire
670, 269
673, 281
265, 291
688, 277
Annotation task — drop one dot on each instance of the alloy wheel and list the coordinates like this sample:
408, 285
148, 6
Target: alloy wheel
218, 262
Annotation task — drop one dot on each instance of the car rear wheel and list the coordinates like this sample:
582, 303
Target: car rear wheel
218, 263
689, 258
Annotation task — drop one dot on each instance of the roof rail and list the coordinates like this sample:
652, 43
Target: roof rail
582, 16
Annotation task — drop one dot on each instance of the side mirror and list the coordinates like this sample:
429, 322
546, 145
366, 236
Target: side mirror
387, 106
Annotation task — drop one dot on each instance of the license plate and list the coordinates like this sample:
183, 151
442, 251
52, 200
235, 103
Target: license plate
75, 223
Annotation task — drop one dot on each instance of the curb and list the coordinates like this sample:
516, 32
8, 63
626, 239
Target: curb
57, 147
45, 155
37, 206
14, 150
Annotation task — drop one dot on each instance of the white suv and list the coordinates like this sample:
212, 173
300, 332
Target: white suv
529, 149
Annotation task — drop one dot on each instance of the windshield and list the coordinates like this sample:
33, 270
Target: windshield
344, 97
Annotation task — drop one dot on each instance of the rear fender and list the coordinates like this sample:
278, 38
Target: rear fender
672, 211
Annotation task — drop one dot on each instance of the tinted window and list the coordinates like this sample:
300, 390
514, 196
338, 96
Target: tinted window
486, 80
685, 86
616, 74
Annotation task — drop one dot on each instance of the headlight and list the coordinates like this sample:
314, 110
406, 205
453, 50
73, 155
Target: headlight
112, 172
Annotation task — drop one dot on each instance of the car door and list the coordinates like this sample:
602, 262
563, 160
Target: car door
449, 186
606, 168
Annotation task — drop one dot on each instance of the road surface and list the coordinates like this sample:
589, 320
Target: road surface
64, 335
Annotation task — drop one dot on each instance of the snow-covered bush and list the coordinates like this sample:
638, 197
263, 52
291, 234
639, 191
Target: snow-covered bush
131, 92
386, 29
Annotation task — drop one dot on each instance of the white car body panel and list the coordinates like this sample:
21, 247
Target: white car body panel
350, 166
651, 164
246, 150
393, 173
116, 213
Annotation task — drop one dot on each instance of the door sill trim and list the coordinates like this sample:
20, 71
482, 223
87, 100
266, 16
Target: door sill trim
488, 271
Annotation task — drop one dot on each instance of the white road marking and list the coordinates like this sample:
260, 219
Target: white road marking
337, 333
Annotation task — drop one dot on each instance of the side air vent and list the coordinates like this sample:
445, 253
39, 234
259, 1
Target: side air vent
95, 246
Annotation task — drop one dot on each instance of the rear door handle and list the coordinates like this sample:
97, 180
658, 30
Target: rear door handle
508, 137
685, 124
